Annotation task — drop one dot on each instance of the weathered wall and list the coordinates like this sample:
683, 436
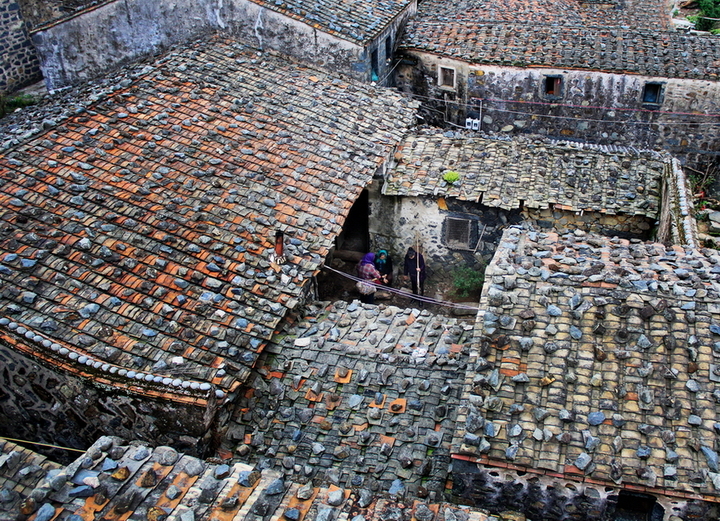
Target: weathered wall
551, 499
19, 64
626, 226
116, 33
397, 222
42, 405
578, 113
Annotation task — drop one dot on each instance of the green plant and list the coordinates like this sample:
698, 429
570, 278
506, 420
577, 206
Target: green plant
709, 9
8, 104
467, 280
714, 31
451, 176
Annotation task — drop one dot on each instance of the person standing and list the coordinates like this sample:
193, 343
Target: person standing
414, 269
366, 271
384, 265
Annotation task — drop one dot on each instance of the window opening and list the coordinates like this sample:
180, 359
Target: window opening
457, 232
652, 92
632, 506
553, 85
388, 48
374, 65
447, 77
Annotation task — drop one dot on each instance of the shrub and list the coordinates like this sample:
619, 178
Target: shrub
8, 104
467, 280
451, 176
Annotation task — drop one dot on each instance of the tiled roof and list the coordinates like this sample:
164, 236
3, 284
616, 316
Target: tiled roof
21, 471
597, 359
361, 396
137, 236
117, 480
534, 172
359, 21
559, 38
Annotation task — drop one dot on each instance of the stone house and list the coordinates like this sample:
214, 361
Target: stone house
610, 190
153, 241
354, 38
603, 72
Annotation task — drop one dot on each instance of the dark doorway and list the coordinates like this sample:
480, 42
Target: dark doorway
355, 235
632, 506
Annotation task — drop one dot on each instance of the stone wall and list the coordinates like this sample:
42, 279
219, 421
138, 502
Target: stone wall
115, 33
396, 223
42, 405
625, 226
19, 64
578, 112
551, 499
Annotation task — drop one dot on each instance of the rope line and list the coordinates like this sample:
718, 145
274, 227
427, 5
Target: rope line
43, 444
421, 298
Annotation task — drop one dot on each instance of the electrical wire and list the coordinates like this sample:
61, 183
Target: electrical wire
421, 298
551, 116
43, 444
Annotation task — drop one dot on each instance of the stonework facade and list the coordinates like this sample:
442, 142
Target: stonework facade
19, 64
39, 403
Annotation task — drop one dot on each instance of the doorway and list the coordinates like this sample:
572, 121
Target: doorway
355, 235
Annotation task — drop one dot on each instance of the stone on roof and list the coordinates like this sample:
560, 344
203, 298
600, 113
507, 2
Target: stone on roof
359, 396
530, 172
597, 359
359, 21
633, 38
118, 480
139, 233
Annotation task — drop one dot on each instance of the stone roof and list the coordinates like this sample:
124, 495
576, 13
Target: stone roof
118, 480
358, 21
21, 470
358, 396
529, 172
596, 360
137, 235
524, 34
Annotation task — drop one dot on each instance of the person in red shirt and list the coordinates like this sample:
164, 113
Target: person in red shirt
367, 271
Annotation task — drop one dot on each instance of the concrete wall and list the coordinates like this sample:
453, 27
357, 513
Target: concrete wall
110, 35
19, 64
578, 112
40, 404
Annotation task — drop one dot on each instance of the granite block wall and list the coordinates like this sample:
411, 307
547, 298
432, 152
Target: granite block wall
19, 64
39, 404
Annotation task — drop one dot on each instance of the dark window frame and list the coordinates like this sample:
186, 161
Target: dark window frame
442, 77
652, 93
553, 86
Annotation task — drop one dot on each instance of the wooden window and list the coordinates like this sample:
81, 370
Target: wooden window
447, 77
553, 86
457, 233
652, 93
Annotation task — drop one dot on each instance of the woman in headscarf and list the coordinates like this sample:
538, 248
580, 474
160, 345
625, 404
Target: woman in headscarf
384, 265
366, 270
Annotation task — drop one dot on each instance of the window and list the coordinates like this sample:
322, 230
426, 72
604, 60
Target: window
374, 66
446, 78
553, 86
652, 93
388, 48
458, 232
